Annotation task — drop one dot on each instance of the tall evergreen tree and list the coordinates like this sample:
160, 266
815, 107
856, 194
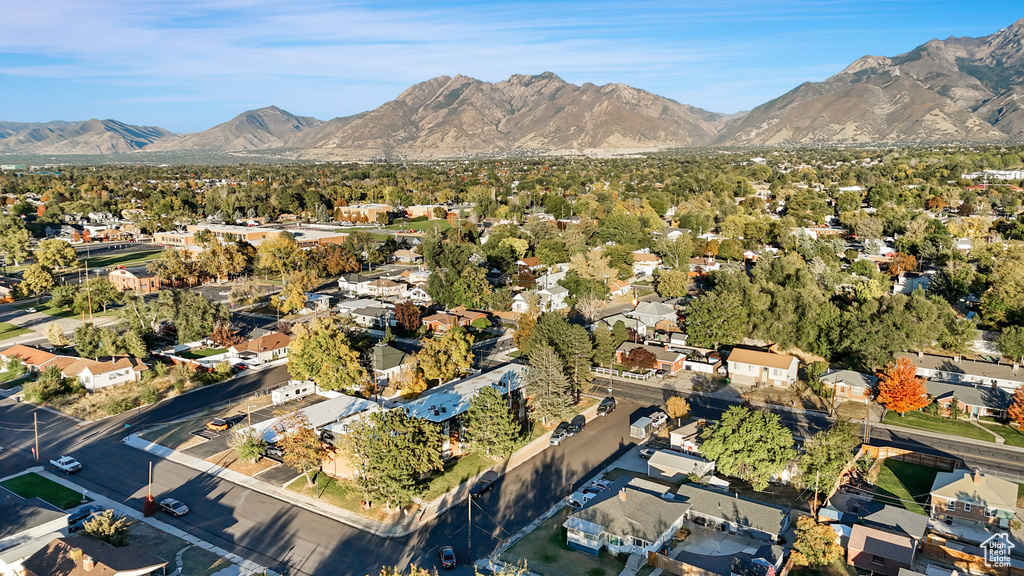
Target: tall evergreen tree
547, 386
490, 425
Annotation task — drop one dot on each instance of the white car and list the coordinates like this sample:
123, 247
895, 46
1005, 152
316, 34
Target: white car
659, 419
224, 292
173, 507
66, 464
31, 311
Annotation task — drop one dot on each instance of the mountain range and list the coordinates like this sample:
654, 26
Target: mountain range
953, 90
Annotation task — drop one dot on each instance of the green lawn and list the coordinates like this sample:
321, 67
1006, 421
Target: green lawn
8, 330
458, 472
126, 259
923, 421
33, 485
422, 225
904, 484
1012, 436
546, 552
9, 380
45, 308
194, 354
341, 493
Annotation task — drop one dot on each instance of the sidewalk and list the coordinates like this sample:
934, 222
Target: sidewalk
929, 433
247, 566
409, 524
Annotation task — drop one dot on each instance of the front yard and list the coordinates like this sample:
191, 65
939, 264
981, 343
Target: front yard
922, 421
460, 471
8, 330
796, 396
343, 494
546, 552
33, 485
904, 484
195, 561
1012, 436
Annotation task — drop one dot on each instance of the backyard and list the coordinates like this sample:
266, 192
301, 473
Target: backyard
837, 568
33, 485
546, 552
923, 421
904, 484
196, 354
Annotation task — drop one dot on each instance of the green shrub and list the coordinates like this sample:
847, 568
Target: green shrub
149, 395
47, 386
119, 405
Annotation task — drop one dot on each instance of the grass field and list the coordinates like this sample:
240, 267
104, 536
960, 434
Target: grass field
1013, 437
343, 494
923, 421
33, 485
8, 330
904, 484
422, 226
546, 552
205, 352
127, 259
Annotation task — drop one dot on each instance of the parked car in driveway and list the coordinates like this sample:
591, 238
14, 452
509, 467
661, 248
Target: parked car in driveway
561, 433
274, 451
173, 507
447, 554
576, 426
659, 419
646, 453
606, 407
83, 513
218, 425
80, 524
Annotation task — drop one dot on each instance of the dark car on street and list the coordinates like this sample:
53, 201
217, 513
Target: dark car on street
83, 513
484, 484
560, 433
447, 557
606, 407
576, 426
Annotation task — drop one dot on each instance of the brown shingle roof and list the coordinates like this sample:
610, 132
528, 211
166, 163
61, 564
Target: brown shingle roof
56, 560
882, 543
30, 355
742, 355
272, 341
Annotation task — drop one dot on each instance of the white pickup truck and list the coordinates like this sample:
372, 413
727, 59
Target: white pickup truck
66, 464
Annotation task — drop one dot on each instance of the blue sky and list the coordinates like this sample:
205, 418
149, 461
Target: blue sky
187, 65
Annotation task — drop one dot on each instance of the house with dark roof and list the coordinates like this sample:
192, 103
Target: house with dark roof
387, 362
87, 556
1006, 375
26, 526
630, 516
973, 401
654, 316
898, 520
880, 551
753, 367
733, 513
976, 497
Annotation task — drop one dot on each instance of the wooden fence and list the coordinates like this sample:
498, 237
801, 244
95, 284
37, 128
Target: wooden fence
966, 558
680, 568
940, 462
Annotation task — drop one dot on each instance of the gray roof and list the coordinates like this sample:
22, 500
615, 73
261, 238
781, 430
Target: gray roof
371, 312
628, 322
997, 399
449, 400
1000, 370
654, 309
386, 357
898, 520
666, 461
645, 512
979, 489
850, 378
882, 543
740, 511
17, 516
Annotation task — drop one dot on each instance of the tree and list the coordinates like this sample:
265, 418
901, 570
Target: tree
249, 443
390, 452
1016, 409
546, 385
293, 296
302, 448
673, 283
224, 335
1011, 343
827, 453
14, 240
321, 352
55, 335
901, 263
604, 346
109, 527
899, 388
640, 358
56, 254
102, 292
176, 265
446, 357
490, 424
674, 253
87, 340
279, 255
48, 385
714, 319
577, 353
590, 306
816, 544
221, 260
407, 315
62, 296
193, 316
677, 407
38, 279
749, 444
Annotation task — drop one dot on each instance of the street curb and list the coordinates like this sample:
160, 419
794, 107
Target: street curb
124, 510
941, 436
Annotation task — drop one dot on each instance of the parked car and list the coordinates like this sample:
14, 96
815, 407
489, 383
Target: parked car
218, 425
80, 525
447, 557
83, 513
484, 484
223, 293
66, 464
646, 453
31, 311
659, 419
661, 373
173, 507
561, 433
576, 426
606, 407
241, 366
274, 451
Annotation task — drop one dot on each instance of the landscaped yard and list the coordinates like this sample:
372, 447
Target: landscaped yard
9, 380
203, 353
904, 484
8, 330
33, 485
546, 552
343, 494
923, 421
195, 560
1012, 436
461, 470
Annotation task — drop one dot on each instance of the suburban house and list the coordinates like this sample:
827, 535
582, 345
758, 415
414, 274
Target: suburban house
417, 294
1008, 376
95, 374
849, 385
346, 307
373, 316
753, 367
446, 404
977, 497
669, 361
701, 266
356, 283
316, 303
898, 520
733, 513
143, 282
608, 322
645, 263
703, 360
25, 527
676, 467
445, 321
33, 358
387, 362
880, 551
531, 264
618, 288
974, 401
630, 516
407, 257
84, 555
907, 282
384, 288
686, 438
553, 298
263, 349
655, 316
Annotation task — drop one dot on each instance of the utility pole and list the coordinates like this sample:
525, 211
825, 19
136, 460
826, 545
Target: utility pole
867, 422
814, 509
469, 532
149, 489
35, 424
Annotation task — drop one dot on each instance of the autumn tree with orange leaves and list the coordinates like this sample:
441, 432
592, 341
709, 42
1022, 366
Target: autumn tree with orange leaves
902, 262
1016, 409
899, 388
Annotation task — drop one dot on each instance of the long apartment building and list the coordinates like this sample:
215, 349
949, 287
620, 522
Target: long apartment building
255, 235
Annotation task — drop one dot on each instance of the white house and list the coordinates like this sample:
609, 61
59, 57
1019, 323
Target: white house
752, 367
417, 294
356, 283
644, 263
266, 348
95, 375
